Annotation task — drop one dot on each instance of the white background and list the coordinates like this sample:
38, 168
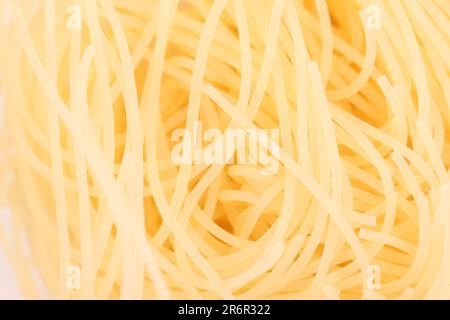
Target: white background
8, 284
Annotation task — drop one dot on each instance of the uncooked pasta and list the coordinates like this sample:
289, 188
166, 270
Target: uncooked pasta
226, 149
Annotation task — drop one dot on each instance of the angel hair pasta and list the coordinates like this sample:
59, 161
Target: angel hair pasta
227, 149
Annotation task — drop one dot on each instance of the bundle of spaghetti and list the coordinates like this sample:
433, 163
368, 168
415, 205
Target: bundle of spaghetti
358, 90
